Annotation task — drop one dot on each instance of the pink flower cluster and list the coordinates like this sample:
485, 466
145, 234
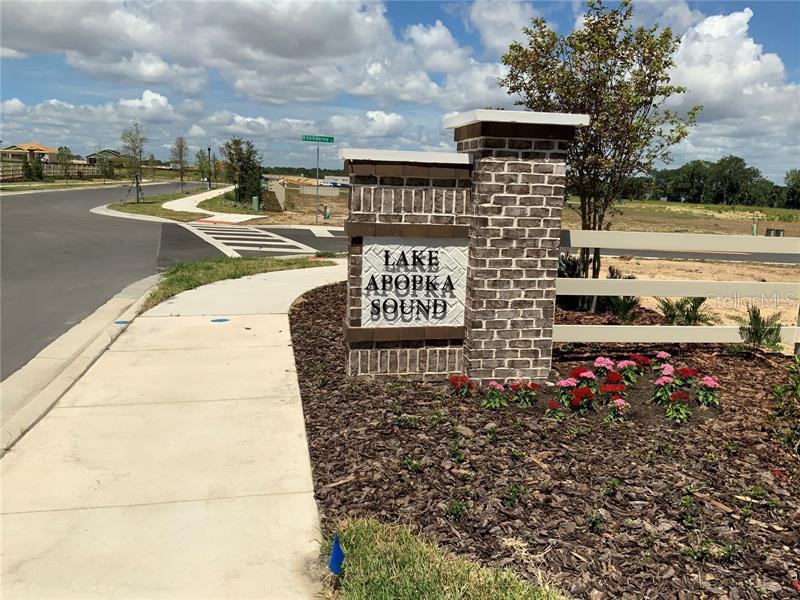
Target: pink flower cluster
620, 403
625, 364
588, 375
495, 386
569, 382
602, 362
709, 383
664, 380
663, 355
667, 369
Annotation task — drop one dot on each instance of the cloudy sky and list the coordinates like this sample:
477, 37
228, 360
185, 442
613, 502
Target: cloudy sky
373, 74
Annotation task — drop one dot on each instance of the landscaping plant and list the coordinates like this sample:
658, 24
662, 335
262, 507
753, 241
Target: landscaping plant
524, 392
494, 396
462, 386
664, 386
553, 411
629, 371
786, 417
686, 311
678, 407
758, 331
617, 410
707, 392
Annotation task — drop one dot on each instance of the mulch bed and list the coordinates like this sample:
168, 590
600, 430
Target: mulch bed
643, 509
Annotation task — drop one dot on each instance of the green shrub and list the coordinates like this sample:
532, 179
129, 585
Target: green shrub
686, 311
786, 417
760, 332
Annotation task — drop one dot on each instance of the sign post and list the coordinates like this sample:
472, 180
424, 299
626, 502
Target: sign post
318, 139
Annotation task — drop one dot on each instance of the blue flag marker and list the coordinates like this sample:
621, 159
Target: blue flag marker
337, 557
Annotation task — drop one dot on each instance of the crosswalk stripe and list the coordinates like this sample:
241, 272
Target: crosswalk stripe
250, 239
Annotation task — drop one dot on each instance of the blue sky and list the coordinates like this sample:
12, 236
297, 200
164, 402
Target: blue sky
372, 74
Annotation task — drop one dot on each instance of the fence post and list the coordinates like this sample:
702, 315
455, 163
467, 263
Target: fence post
519, 163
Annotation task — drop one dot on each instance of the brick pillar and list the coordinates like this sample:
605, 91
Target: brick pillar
517, 193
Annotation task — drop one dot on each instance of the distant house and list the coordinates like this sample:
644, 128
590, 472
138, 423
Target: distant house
112, 156
31, 150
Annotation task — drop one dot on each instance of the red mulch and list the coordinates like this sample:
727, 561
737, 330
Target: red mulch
643, 509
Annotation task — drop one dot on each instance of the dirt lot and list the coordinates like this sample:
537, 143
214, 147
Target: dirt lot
689, 218
727, 308
301, 208
641, 509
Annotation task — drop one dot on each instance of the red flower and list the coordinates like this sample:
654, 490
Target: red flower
516, 386
552, 405
796, 585
778, 474
679, 396
534, 386
582, 392
575, 401
459, 382
613, 377
640, 359
576, 372
686, 373
612, 387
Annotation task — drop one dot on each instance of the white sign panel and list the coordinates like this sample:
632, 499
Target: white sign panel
413, 282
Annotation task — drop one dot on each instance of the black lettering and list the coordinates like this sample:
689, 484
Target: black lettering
416, 282
372, 286
390, 302
424, 306
433, 258
448, 286
385, 258
416, 258
439, 307
402, 261
406, 307
430, 282
386, 281
376, 308
401, 279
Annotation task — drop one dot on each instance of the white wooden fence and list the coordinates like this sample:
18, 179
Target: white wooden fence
632, 242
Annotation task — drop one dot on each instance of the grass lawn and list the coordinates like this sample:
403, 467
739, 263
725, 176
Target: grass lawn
389, 561
646, 215
187, 276
225, 204
152, 206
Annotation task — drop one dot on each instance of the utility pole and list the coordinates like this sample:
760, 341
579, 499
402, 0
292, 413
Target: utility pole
210, 167
316, 213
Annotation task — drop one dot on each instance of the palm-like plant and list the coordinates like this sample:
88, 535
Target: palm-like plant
686, 311
758, 331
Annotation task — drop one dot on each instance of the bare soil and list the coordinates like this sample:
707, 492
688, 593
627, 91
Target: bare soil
642, 509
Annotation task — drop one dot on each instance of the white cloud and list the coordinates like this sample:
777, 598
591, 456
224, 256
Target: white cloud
375, 123
436, 47
10, 53
750, 107
144, 67
499, 23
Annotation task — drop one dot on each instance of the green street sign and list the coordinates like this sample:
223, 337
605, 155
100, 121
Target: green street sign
324, 139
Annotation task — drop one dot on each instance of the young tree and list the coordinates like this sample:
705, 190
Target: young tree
619, 76
203, 163
27, 170
179, 156
214, 167
64, 157
37, 169
242, 167
133, 141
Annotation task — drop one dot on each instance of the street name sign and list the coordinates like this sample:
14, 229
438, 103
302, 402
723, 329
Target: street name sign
320, 139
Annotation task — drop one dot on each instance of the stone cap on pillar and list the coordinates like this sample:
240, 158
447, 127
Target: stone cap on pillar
514, 124
403, 156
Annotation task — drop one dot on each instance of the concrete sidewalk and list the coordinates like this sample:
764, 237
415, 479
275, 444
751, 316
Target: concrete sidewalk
189, 204
177, 467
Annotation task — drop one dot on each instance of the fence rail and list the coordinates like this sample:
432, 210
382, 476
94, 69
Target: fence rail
634, 242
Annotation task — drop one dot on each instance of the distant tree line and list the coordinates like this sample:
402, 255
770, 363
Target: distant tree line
301, 171
728, 181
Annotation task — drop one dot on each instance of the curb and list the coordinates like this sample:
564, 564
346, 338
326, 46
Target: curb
48, 390
79, 187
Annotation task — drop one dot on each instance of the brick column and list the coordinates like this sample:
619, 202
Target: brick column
517, 193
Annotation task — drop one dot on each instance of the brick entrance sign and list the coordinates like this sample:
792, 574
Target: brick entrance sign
453, 257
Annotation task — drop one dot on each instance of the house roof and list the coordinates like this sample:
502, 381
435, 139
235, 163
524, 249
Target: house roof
105, 152
32, 146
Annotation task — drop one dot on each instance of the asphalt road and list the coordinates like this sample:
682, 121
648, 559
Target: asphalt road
60, 262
